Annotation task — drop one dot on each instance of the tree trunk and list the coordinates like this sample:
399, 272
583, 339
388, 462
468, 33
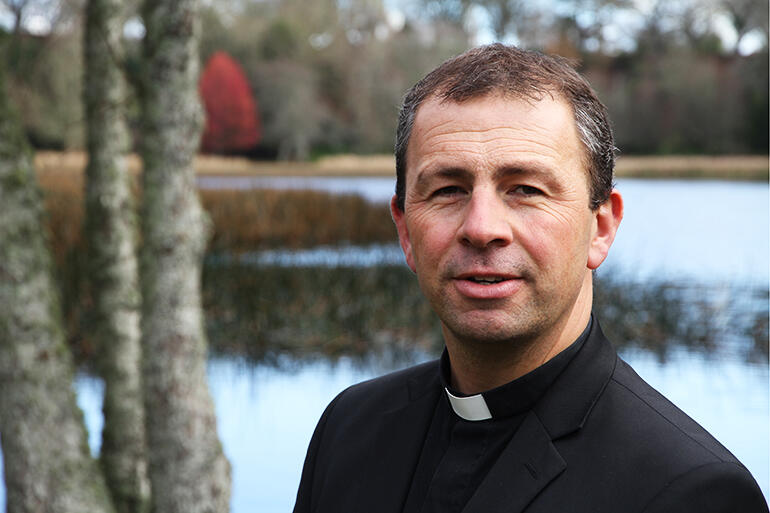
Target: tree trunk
48, 466
113, 269
188, 469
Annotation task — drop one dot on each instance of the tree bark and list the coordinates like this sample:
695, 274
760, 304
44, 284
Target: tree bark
113, 267
188, 469
48, 466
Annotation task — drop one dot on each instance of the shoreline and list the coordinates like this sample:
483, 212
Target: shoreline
725, 167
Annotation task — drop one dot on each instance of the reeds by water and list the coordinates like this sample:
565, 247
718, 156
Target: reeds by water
260, 219
241, 220
268, 312
265, 312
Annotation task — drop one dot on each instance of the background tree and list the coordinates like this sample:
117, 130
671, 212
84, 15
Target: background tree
291, 109
231, 112
746, 16
43, 69
47, 463
328, 75
112, 261
188, 470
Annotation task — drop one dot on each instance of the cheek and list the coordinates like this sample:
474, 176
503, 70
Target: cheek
552, 241
430, 238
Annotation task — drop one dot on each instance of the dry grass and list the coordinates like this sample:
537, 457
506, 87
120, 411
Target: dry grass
252, 219
73, 162
242, 220
63, 197
732, 167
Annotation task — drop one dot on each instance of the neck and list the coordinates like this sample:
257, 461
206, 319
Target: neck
478, 365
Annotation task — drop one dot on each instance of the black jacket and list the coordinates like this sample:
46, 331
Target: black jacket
599, 440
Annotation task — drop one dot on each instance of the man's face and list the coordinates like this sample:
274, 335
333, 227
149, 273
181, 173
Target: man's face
497, 223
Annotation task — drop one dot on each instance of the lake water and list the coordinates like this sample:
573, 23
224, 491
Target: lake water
710, 232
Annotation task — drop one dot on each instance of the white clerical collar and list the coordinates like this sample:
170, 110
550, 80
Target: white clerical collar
473, 407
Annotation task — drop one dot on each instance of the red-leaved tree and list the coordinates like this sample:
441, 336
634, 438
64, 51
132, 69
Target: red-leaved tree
231, 112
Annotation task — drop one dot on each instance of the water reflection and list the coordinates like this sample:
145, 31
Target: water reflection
725, 321
321, 256
283, 313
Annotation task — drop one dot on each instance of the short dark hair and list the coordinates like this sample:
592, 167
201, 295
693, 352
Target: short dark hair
499, 68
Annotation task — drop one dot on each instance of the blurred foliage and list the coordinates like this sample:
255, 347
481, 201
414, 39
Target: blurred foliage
232, 121
328, 75
683, 102
44, 80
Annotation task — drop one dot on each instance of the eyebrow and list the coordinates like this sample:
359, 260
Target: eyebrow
526, 168
530, 168
450, 172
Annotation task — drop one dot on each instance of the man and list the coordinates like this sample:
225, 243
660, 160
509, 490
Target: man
504, 206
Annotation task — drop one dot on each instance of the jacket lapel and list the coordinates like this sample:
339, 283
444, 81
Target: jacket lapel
531, 461
568, 402
528, 463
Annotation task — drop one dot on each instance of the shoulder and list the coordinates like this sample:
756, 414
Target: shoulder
363, 403
351, 426
670, 462
643, 406
719, 486
388, 392
367, 431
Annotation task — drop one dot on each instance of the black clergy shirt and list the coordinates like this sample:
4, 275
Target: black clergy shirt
457, 453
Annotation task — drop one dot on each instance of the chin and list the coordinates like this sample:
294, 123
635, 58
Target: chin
492, 331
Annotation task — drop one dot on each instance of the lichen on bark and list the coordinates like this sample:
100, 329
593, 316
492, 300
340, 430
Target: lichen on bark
112, 261
186, 462
47, 463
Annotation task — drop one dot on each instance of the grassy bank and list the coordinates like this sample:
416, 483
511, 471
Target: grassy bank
729, 167
260, 219
242, 220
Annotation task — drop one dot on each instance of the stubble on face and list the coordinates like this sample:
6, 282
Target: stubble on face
548, 235
482, 325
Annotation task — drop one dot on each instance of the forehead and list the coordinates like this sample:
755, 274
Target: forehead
495, 127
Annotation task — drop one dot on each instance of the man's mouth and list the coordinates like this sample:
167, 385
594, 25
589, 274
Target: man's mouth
487, 285
486, 280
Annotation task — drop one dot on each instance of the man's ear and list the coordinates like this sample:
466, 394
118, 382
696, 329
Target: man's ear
606, 221
403, 233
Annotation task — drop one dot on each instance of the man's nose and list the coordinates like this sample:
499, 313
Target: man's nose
486, 220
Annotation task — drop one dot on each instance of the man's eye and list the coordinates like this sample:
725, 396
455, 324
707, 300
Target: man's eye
527, 190
450, 190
